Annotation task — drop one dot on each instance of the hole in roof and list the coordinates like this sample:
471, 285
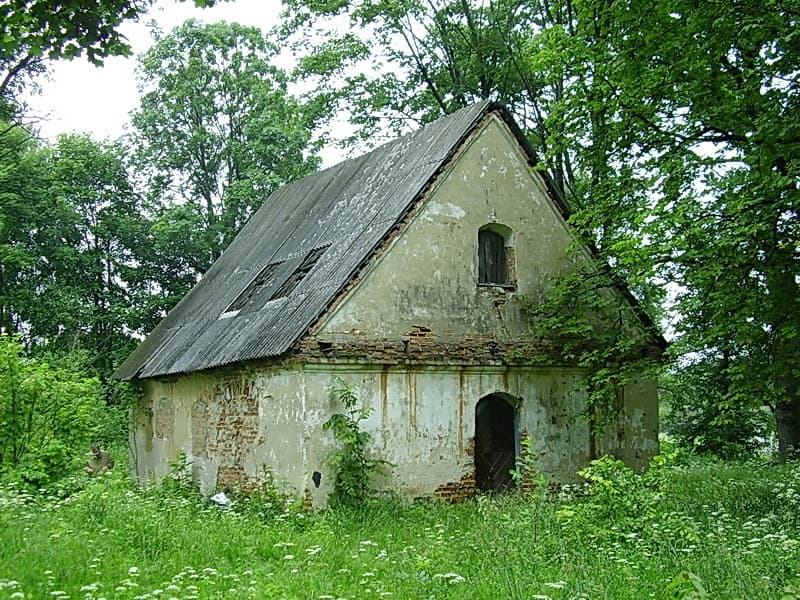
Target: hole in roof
300, 272
259, 282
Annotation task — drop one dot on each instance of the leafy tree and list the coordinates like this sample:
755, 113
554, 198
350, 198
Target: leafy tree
721, 78
671, 126
702, 415
70, 237
25, 215
47, 415
95, 269
394, 65
216, 133
33, 32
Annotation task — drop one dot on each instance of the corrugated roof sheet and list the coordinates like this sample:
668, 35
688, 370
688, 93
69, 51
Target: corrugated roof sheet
350, 207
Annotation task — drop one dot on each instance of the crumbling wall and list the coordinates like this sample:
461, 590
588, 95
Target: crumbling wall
421, 341
234, 426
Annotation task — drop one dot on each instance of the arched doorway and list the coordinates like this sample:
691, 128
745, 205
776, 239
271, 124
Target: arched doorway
495, 443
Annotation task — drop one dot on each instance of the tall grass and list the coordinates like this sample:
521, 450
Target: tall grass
714, 529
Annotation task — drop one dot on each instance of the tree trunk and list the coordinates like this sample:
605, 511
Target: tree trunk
787, 420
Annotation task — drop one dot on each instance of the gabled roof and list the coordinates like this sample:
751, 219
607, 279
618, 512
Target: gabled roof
254, 302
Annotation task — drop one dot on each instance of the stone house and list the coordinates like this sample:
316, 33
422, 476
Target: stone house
400, 272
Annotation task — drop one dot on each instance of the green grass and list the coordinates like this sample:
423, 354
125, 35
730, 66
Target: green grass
735, 528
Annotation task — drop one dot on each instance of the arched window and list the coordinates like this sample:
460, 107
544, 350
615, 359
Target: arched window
492, 256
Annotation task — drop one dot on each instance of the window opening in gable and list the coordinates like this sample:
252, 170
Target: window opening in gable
300, 272
492, 258
259, 282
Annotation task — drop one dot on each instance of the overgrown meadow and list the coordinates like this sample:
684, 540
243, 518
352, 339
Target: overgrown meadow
691, 530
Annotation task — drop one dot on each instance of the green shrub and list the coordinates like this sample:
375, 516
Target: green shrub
48, 416
353, 468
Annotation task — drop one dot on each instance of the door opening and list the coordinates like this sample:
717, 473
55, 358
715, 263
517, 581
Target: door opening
495, 443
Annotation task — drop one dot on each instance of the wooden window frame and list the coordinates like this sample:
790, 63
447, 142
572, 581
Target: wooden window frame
493, 268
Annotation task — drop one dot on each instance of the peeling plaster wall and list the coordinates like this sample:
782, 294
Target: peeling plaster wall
229, 427
421, 290
632, 435
428, 276
422, 421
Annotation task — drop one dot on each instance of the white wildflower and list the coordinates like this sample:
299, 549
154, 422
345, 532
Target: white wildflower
556, 585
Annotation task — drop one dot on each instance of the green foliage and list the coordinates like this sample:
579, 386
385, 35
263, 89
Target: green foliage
110, 539
352, 466
179, 482
621, 507
618, 495
33, 32
216, 132
267, 501
70, 239
687, 586
701, 414
527, 473
584, 318
27, 217
48, 416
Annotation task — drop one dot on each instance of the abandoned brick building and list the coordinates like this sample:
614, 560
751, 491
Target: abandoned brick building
402, 273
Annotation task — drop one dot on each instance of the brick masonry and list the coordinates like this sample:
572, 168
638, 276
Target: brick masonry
419, 346
232, 428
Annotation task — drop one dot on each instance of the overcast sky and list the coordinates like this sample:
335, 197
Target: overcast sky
78, 97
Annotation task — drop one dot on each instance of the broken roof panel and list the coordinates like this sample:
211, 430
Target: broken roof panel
350, 207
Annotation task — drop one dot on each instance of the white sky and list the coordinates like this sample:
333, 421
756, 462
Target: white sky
78, 97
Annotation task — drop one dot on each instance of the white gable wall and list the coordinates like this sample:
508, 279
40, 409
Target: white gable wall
429, 275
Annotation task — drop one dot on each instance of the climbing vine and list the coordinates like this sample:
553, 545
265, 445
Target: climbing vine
580, 319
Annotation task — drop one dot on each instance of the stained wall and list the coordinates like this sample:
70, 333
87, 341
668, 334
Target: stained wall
422, 343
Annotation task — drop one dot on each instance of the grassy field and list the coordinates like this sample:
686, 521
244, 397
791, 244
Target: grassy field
707, 529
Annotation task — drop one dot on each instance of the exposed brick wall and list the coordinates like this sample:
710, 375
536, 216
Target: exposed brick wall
419, 346
231, 476
456, 491
232, 428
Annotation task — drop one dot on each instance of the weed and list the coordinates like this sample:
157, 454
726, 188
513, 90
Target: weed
112, 540
352, 466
